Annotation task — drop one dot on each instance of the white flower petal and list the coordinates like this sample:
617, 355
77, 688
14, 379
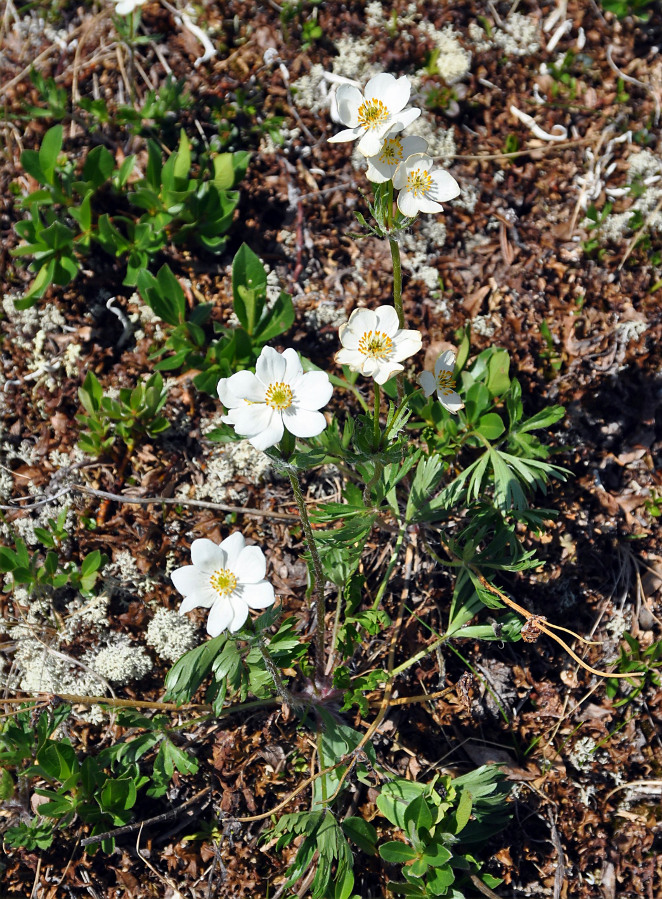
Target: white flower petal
425, 204
270, 366
220, 617
378, 172
413, 144
350, 357
313, 390
293, 366
270, 436
198, 600
384, 87
239, 614
387, 320
349, 99
428, 382
405, 344
387, 370
343, 136
451, 401
445, 187
445, 362
407, 203
238, 388
207, 555
233, 546
371, 142
303, 422
260, 595
188, 579
250, 566
251, 420
405, 118
398, 95
360, 321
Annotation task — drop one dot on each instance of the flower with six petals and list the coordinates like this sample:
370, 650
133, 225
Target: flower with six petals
372, 115
278, 397
374, 344
443, 382
422, 187
226, 578
394, 150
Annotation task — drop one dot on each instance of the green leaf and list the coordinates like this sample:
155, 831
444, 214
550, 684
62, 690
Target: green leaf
188, 673
436, 855
498, 381
396, 852
490, 426
98, 166
361, 832
249, 285
49, 152
276, 320
463, 810
183, 156
6, 785
418, 815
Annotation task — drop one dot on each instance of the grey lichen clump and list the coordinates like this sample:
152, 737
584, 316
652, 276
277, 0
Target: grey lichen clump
122, 661
171, 634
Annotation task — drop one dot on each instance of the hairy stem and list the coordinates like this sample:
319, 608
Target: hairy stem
318, 573
272, 668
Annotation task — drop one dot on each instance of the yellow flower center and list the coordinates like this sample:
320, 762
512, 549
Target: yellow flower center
391, 153
375, 344
223, 581
372, 114
419, 182
445, 382
278, 396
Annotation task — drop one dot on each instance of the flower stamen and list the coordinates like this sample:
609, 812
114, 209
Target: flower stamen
373, 113
223, 581
391, 152
279, 396
419, 182
445, 383
375, 344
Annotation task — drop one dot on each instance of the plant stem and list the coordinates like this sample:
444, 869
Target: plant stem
272, 668
397, 280
318, 576
389, 209
391, 565
397, 299
420, 655
336, 628
376, 433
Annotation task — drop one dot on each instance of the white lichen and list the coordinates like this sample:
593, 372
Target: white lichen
171, 635
453, 62
519, 37
122, 661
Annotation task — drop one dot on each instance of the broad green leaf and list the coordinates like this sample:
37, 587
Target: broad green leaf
396, 852
249, 284
490, 426
498, 381
463, 810
183, 156
362, 833
49, 152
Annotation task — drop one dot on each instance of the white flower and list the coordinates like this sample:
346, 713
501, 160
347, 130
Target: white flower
443, 382
394, 150
126, 7
370, 116
227, 578
423, 188
374, 345
278, 396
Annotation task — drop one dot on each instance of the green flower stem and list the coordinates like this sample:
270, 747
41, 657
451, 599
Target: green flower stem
391, 565
319, 580
321, 764
376, 433
397, 280
420, 655
336, 628
405, 401
272, 668
389, 208
397, 298
379, 468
